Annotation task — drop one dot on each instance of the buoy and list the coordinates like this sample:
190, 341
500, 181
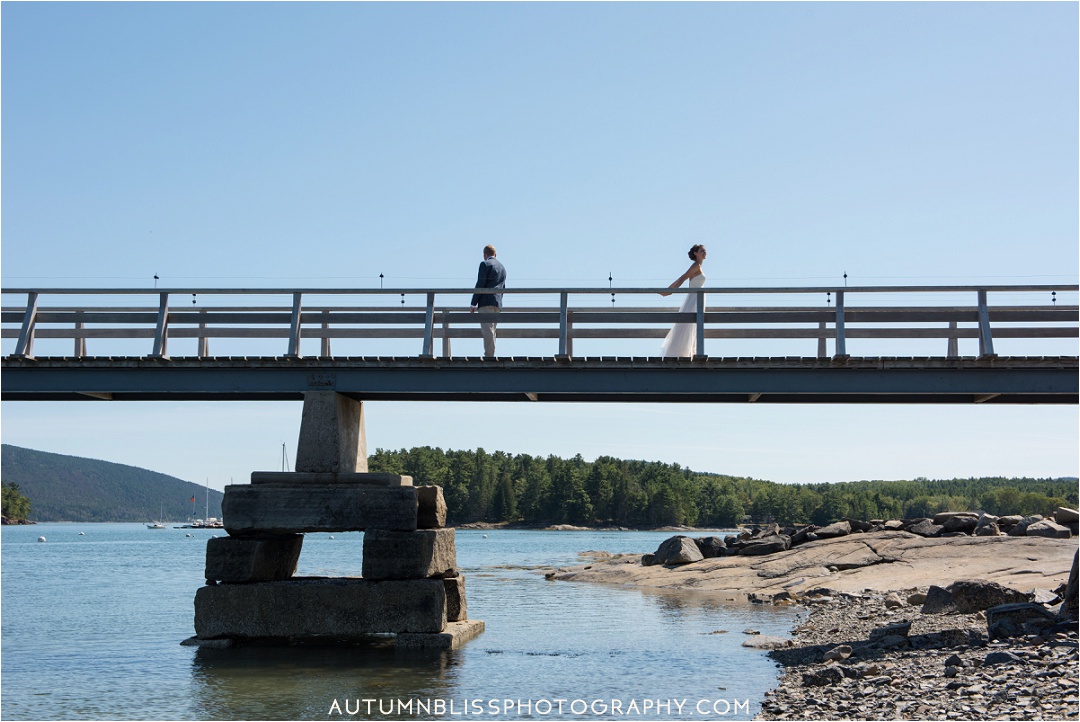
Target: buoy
485, 536
331, 536
41, 538
188, 535
82, 533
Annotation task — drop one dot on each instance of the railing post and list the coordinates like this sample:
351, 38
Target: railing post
294, 327
564, 326
161, 330
25, 345
325, 350
446, 334
429, 327
700, 323
204, 342
841, 338
822, 352
80, 340
953, 349
986, 340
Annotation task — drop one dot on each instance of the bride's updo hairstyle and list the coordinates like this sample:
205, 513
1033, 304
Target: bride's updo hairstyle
694, 249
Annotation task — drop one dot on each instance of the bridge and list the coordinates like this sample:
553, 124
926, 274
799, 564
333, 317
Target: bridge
157, 344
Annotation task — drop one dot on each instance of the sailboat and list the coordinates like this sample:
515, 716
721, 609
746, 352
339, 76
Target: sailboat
160, 523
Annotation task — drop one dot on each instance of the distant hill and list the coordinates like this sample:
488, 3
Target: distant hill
73, 488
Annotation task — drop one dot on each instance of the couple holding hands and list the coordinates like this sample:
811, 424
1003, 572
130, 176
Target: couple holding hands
681, 340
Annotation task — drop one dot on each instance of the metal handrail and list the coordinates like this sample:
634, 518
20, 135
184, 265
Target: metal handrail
295, 321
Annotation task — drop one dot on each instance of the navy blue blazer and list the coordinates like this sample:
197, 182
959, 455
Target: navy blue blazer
492, 275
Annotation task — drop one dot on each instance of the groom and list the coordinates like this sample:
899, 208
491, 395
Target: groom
492, 275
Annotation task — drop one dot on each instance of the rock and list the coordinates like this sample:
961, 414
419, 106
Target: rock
987, 519
765, 531
944, 516
803, 535
858, 526
840, 528
900, 629
990, 529
892, 641
711, 547
893, 601
916, 599
431, 507
1065, 516
1011, 520
951, 671
938, 601
263, 558
1044, 597
823, 678
767, 642
961, 523
1014, 620
767, 545
1020, 528
894, 524
974, 595
955, 661
648, 560
840, 652
420, 554
925, 528
1001, 658
677, 550
1049, 529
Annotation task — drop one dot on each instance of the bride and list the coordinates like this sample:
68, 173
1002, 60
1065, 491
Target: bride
682, 338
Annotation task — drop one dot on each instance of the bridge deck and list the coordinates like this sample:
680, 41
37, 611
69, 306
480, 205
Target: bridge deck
939, 380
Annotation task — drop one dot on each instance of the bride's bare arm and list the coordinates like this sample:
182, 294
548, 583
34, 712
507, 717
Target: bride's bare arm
694, 270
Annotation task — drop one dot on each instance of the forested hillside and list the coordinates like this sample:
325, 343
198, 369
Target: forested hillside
495, 487
479, 486
72, 488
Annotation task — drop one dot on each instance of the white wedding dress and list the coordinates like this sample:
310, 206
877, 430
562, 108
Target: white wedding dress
682, 338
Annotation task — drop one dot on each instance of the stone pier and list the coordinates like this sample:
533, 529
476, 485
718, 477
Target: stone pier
410, 588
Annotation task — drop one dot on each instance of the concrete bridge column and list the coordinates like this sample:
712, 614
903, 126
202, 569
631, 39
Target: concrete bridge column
410, 587
332, 436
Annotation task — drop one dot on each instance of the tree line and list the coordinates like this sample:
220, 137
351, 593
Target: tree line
15, 506
500, 487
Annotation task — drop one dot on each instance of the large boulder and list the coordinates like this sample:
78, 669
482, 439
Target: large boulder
974, 595
768, 545
1065, 516
945, 516
1014, 620
960, 523
711, 546
939, 600
803, 535
926, 528
840, 528
990, 529
1047, 528
1020, 528
677, 550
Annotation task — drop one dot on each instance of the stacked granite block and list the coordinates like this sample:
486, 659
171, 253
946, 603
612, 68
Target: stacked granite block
410, 585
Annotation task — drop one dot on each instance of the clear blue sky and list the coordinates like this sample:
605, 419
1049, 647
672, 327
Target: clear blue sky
277, 144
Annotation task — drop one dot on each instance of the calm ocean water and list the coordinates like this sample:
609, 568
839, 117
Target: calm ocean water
93, 617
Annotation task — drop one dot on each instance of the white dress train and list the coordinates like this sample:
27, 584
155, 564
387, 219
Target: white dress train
681, 340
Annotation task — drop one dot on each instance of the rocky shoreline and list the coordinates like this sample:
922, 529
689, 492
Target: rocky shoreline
906, 620
879, 656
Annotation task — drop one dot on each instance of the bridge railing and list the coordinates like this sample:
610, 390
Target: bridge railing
981, 312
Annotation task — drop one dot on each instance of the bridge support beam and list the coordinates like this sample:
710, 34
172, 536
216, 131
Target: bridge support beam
332, 435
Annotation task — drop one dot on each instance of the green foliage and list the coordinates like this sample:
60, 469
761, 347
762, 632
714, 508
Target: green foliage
499, 487
16, 507
72, 488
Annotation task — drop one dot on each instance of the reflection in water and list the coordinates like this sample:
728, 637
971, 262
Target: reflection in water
271, 683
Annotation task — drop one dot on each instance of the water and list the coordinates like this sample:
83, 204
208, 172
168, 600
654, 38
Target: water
91, 627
